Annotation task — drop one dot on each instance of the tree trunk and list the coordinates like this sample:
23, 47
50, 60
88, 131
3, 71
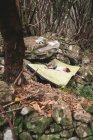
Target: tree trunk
11, 30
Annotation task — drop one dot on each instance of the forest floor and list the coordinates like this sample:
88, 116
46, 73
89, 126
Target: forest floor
43, 97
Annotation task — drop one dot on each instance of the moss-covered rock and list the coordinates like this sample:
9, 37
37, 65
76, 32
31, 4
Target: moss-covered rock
54, 128
67, 133
83, 130
25, 136
50, 137
73, 138
62, 114
36, 123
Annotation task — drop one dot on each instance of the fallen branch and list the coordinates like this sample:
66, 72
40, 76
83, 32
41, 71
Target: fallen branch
25, 98
11, 110
18, 77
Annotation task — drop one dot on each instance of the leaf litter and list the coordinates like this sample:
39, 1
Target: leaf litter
41, 98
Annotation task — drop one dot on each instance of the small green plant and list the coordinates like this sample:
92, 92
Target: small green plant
86, 92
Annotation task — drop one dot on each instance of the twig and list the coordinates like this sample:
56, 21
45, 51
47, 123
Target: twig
12, 103
9, 121
25, 98
18, 77
11, 110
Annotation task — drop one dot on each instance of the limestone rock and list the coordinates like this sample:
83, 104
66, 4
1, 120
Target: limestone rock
66, 133
85, 60
73, 138
72, 52
50, 137
62, 114
54, 128
6, 93
25, 110
83, 116
8, 135
25, 136
36, 123
83, 130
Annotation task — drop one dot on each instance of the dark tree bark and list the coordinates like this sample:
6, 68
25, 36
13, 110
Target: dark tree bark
11, 30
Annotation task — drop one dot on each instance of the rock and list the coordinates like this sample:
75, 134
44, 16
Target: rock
41, 40
54, 128
83, 116
25, 136
62, 114
50, 137
86, 72
36, 123
1, 60
67, 133
1, 69
26, 110
8, 135
63, 58
6, 93
72, 52
73, 138
40, 48
83, 130
85, 60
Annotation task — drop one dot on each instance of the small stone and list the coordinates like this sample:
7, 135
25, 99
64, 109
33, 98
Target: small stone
85, 60
25, 136
54, 128
1, 69
83, 116
50, 137
66, 133
2, 60
8, 135
25, 110
73, 138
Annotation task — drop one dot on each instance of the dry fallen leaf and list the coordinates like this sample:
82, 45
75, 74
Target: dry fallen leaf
37, 108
